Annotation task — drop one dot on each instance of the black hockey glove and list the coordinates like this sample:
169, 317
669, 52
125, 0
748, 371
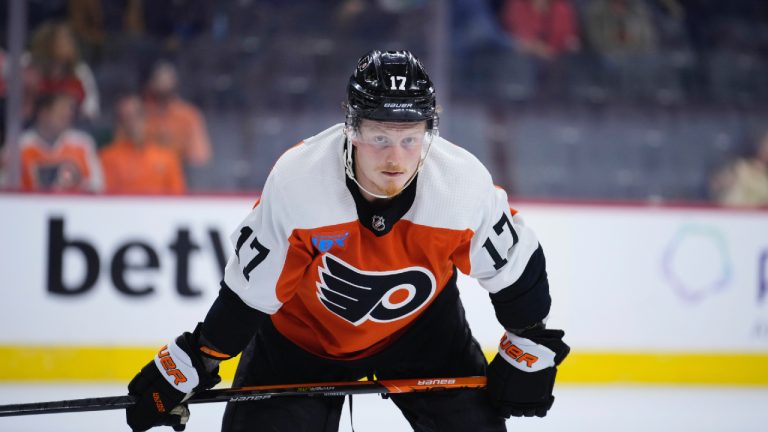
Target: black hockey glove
165, 383
522, 375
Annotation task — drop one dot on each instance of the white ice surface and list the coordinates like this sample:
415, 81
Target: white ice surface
578, 408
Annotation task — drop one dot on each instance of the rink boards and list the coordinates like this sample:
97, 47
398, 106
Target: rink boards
91, 286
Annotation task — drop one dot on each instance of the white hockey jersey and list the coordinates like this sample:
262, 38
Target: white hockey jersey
341, 286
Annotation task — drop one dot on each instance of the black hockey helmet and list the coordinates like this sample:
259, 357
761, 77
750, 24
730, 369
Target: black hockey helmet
390, 86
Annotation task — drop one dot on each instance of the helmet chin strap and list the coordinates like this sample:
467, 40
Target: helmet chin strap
348, 168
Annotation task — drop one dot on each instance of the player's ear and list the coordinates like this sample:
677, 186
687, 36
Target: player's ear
352, 134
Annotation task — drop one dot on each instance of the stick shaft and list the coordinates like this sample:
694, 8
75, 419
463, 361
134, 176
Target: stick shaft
244, 394
71, 405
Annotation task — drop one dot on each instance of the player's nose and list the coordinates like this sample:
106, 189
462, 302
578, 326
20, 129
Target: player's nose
395, 153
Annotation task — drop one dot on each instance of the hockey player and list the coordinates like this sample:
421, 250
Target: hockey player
346, 268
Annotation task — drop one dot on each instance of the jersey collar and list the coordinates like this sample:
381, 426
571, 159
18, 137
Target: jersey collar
379, 216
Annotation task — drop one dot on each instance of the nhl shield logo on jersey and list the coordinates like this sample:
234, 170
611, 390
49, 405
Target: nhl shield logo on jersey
358, 296
324, 242
377, 222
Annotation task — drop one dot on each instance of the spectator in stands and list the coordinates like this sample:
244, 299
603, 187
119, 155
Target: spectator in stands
54, 156
624, 36
171, 121
95, 23
544, 29
544, 33
744, 182
30, 81
134, 164
56, 62
618, 27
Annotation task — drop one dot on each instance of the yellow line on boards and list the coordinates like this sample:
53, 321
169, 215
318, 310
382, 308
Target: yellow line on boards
59, 363
661, 368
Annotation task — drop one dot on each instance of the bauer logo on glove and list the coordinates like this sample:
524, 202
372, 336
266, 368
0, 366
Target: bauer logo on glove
522, 376
179, 371
170, 366
525, 354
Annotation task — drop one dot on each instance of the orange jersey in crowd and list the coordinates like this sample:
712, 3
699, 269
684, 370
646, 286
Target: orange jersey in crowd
340, 289
70, 163
180, 127
147, 170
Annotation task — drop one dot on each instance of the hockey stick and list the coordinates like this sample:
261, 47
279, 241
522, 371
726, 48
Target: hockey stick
244, 394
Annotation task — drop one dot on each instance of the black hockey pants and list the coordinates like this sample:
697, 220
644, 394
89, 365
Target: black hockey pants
438, 344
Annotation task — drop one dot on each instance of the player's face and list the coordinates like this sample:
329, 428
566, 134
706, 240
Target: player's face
387, 154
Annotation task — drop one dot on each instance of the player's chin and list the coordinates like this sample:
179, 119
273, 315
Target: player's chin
392, 188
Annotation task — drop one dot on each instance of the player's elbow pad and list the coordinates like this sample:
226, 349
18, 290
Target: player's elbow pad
230, 323
526, 301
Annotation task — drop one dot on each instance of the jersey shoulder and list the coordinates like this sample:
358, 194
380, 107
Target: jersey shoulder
314, 157
456, 166
453, 188
309, 181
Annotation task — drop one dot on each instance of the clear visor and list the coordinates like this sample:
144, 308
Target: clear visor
381, 136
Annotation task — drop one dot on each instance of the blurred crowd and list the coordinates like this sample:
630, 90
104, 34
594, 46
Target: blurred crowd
155, 133
167, 96
150, 135
743, 182
644, 51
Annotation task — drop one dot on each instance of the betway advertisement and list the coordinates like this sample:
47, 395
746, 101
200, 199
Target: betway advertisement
136, 271
95, 270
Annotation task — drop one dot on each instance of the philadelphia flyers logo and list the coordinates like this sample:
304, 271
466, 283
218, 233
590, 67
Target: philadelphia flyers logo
358, 296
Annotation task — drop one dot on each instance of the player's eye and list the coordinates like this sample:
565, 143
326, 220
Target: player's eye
380, 141
409, 142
